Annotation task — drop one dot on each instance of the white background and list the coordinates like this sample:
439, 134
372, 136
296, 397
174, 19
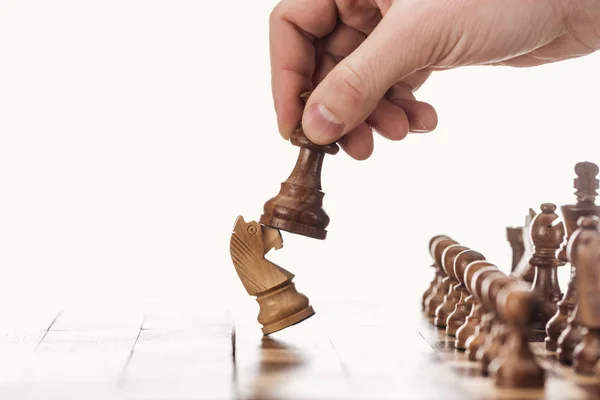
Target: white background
133, 133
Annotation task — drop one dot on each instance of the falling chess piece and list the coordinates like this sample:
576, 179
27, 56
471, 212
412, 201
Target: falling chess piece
441, 290
452, 297
514, 235
497, 337
479, 337
516, 367
586, 185
439, 273
584, 252
547, 233
463, 307
474, 318
280, 303
298, 208
524, 270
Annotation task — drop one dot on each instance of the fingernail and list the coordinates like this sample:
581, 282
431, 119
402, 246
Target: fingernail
420, 127
321, 125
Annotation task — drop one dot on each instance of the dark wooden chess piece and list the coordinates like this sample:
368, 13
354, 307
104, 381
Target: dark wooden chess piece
514, 235
474, 318
441, 290
524, 270
478, 339
584, 252
463, 308
281, 305
496, 339
439, 273
586, 185
450, 300
569, 338
298, 208
547, 233
516, 366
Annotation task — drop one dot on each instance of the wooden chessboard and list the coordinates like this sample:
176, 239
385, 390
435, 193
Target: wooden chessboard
346, 351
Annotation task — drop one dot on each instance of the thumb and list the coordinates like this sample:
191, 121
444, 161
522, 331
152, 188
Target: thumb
352, 90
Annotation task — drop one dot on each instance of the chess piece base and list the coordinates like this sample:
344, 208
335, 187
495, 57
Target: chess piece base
282, 307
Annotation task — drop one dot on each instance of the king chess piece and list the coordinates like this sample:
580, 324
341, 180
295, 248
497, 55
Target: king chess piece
585, 185
298, 208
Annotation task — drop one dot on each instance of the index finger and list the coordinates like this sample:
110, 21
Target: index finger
294, 27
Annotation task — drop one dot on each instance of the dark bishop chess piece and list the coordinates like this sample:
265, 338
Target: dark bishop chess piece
439, 273
584, 252
298, 208
547, 233
586, 185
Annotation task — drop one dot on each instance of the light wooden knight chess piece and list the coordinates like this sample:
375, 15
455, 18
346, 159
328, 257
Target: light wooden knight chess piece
441, 290
496, 339
524, 270
280, 303
463, 308
452, 297
516, 366
547, 233
479, 337
584, 252
298, 208
474, 318
439, 273
586, 185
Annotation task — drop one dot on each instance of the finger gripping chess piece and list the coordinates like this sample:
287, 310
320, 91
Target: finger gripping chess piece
584, 252
452, 296
516, 367
298, 208
547, 233
441, 290
585, 185
439, 273
280, 303
462, 309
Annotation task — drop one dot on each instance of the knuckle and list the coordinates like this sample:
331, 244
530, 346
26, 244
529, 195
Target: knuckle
349, 84
276, 13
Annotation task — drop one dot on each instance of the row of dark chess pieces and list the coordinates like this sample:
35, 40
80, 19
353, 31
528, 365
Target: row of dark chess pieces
494, 316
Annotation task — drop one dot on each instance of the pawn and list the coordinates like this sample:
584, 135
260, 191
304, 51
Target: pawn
462, 309
479, 337
452, 297
569, 338
441, 290
439, 274
474, 318
547, 233
517, 367
584, 252
496, 339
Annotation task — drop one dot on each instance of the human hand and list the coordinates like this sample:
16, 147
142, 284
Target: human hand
367, 57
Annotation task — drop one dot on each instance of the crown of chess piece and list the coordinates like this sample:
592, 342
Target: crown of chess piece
496, 339
516, 366
586, 185
547, 233
298, 208
584, 251
452, 296
514, 235
281, 305
441, 290
478, 339
472, 320
439, 273
524, 270
463, 307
